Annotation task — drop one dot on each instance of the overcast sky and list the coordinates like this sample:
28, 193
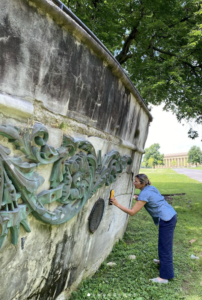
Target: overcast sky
170, 134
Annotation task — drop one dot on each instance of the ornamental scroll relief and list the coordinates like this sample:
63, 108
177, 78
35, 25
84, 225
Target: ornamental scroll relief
77, 173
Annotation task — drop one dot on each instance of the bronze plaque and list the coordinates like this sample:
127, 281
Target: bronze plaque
96, 215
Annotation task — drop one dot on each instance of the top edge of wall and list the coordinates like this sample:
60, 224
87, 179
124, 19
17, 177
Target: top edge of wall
65, 18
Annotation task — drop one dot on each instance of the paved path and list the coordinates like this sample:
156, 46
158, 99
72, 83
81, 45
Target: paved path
194, 174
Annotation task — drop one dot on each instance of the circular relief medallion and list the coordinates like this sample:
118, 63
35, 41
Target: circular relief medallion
96, 215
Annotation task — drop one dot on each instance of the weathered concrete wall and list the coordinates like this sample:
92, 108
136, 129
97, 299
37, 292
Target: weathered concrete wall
41, 61
53, 72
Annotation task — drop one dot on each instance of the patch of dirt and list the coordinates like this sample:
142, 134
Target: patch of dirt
169, 197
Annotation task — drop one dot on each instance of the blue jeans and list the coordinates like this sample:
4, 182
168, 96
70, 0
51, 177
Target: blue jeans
165, 247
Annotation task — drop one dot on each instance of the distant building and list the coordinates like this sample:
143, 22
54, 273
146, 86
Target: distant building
176, 160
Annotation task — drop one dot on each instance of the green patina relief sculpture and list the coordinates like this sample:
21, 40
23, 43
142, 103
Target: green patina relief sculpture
77, 173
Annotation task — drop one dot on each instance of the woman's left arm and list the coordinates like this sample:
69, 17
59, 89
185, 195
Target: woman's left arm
138, 205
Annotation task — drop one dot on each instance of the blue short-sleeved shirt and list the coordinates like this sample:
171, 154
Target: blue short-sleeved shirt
156, 204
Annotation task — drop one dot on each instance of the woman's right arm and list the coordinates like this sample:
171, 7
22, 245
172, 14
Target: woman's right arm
138, 205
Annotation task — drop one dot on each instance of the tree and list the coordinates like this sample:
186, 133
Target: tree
159, 44
143, 165
152, 156
195, 155
173, 163
150, 162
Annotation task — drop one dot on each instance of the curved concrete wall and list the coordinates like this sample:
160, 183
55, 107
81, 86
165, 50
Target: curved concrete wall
53, 72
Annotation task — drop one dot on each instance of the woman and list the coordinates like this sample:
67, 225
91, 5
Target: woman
163, 215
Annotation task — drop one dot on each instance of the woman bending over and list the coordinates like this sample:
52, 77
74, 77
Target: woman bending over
163, 215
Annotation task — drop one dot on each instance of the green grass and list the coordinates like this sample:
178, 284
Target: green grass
130, 279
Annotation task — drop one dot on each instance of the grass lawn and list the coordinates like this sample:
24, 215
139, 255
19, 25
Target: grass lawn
196, 168
129, 279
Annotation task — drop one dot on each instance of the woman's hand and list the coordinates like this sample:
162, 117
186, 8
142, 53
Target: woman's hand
114, 201
135, 197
